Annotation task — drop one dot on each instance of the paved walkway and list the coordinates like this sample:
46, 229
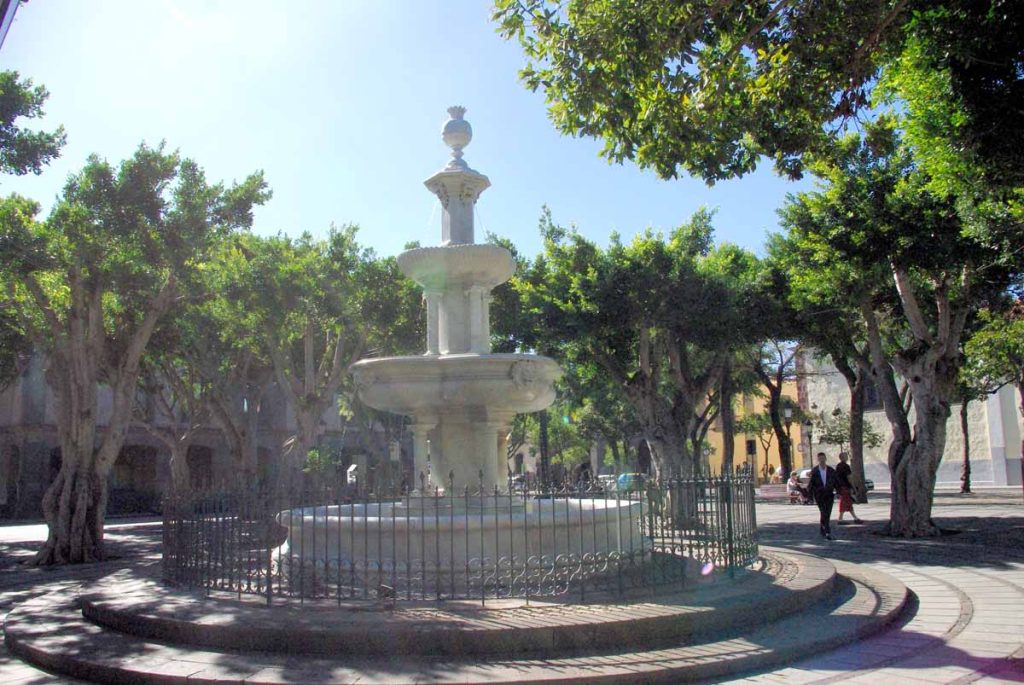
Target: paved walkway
969, 625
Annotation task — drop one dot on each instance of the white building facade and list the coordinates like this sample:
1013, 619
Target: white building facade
995, 427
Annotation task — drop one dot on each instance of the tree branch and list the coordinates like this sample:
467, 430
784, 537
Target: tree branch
911, 309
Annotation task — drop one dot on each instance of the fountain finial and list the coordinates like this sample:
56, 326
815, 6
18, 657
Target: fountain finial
456, 134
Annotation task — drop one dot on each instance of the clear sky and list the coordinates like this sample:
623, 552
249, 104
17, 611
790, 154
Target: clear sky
341, 104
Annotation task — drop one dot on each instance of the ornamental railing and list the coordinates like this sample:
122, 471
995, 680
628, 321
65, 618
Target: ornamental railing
575, 544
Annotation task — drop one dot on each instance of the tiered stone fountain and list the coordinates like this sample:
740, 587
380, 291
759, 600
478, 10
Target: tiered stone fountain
462, 399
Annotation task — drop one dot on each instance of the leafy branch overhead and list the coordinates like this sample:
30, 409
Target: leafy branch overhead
707, 87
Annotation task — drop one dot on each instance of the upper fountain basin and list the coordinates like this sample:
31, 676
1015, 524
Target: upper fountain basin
438, 384
470, 264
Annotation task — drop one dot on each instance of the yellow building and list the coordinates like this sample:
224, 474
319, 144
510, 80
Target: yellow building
750, 448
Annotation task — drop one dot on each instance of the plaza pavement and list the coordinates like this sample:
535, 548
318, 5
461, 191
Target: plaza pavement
968, 626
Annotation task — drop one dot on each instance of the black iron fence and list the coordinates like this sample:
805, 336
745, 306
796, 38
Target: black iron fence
342, 544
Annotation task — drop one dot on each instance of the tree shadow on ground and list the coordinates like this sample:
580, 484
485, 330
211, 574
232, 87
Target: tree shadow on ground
967, 542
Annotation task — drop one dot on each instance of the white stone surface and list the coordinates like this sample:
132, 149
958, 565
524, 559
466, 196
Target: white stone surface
461, 396
431, 531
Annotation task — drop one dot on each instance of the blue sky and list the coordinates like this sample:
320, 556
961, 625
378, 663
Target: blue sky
341, 104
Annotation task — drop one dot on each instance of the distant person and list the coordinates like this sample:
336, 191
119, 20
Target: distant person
823, 489
845, 489
796, 492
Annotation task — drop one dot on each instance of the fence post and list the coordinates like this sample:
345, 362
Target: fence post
728, 525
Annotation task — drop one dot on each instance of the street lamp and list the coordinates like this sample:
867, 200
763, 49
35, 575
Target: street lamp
808, 457
787, 415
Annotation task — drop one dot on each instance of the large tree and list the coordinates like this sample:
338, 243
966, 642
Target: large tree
21, 150
919, 277
90, 283
707, 87
656, 315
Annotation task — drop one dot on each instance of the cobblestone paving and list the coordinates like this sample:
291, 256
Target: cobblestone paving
968, 626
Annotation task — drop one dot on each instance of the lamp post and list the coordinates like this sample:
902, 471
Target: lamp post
787, 415
809, 457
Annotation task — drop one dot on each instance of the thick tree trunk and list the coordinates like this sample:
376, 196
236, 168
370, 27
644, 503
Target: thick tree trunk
913, 478
856, 380
965, 469
181, 478
73, 507
75, 504
728, 421
670, 455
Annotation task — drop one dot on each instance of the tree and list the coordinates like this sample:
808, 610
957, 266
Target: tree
657, 316
23, 151
707, 87
834, 429
774, 363
995, 353
821, 296
760, 426
172, 407
90, 283
918, 277
302, 301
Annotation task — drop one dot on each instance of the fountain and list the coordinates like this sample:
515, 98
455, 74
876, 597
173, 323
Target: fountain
458, 392
462, 399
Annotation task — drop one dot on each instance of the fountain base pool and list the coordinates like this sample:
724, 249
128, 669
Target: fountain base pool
457, 543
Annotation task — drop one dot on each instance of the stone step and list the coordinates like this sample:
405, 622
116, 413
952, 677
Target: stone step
137, 605
52, 633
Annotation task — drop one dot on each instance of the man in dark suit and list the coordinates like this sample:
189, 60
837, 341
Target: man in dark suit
823, 489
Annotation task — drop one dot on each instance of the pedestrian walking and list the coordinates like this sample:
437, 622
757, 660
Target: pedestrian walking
845, 489
823, 489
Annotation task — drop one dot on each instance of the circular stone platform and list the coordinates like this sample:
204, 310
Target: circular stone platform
130, 628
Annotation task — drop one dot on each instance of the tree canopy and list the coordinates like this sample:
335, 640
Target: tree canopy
21, 150
707, 87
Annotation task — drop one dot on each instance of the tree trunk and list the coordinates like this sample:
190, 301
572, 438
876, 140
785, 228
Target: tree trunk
75, 504
856, 380
965, 469
728, 421
785, 447
913, 478
73, 507
181, 478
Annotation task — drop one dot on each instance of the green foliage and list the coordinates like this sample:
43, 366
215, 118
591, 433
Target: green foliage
961, 77
834, 429
704, 87
115, 236
323, 460
649, 323
23, 151
995, 352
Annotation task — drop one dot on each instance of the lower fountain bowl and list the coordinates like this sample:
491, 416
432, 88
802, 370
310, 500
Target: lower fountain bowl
454, 534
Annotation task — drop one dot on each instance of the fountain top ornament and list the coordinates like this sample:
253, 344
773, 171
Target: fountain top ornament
457, 134
460, 395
